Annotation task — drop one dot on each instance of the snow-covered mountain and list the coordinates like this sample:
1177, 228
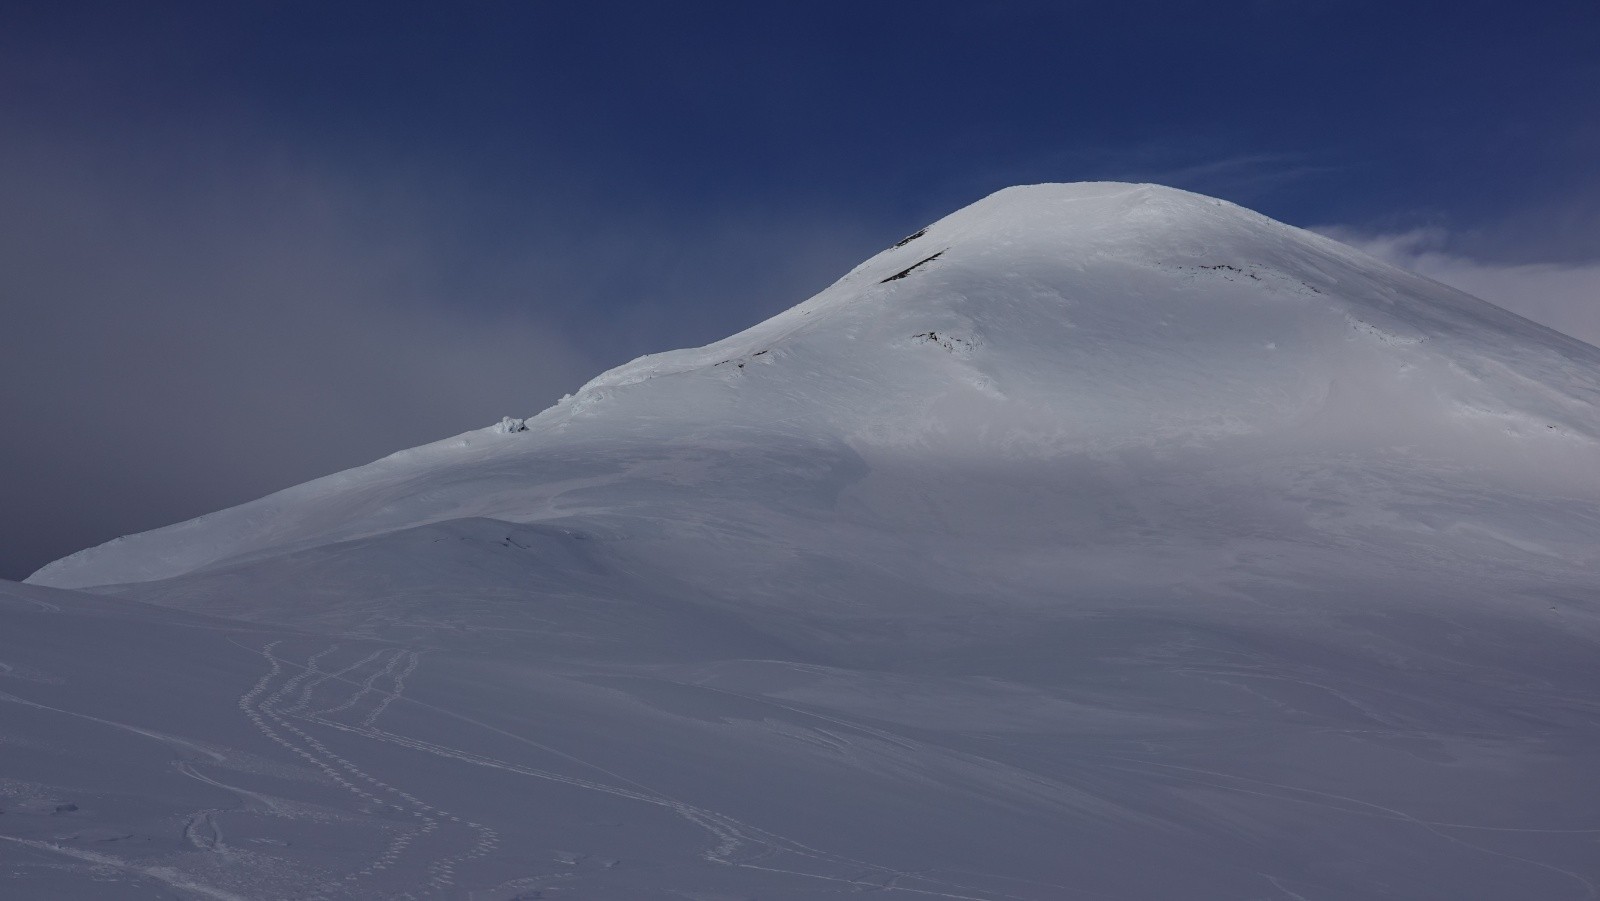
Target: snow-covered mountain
1098, 540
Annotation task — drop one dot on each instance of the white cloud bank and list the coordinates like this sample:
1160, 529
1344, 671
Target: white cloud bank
1563, 296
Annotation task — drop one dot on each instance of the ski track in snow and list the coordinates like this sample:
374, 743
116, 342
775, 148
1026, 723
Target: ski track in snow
731, 835
1293, 896
367, 687
278, 697
441, 870
309, 685
167, 876
394, 692
1358, 807
169, 740
253, 800
257, 705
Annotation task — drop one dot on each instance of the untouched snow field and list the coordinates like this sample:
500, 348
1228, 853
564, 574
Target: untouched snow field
1098, 541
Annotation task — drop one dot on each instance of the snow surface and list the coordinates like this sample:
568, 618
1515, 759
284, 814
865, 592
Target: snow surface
1098, 541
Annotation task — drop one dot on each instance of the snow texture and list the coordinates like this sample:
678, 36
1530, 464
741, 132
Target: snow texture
1096, 541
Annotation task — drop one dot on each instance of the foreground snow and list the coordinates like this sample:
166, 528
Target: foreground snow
1099, 541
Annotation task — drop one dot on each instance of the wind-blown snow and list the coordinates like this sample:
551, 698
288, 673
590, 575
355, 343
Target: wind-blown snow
1096, 541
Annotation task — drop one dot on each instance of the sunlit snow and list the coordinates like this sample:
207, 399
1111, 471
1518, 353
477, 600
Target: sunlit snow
1097, 541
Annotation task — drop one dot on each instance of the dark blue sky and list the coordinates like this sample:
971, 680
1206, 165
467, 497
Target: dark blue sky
248, 244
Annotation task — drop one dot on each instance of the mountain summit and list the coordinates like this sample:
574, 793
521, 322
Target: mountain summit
1096, 541
1094, 337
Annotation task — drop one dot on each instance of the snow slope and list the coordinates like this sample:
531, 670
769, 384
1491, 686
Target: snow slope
1099, 541
1058, 326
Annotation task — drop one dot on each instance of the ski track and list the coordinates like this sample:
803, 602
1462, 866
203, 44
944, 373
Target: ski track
730, 834
269, 712
441, 871
169, 740
367, 687
274, 699
915, 748
268, 805
394, 692
259, 710
1357, 807
1293, 896
304, 696
306, 693
165, 875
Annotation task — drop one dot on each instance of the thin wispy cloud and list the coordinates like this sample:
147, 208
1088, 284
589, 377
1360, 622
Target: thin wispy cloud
1215, 168
1241, 174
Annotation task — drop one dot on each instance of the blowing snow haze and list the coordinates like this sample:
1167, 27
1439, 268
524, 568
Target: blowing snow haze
1096, 541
